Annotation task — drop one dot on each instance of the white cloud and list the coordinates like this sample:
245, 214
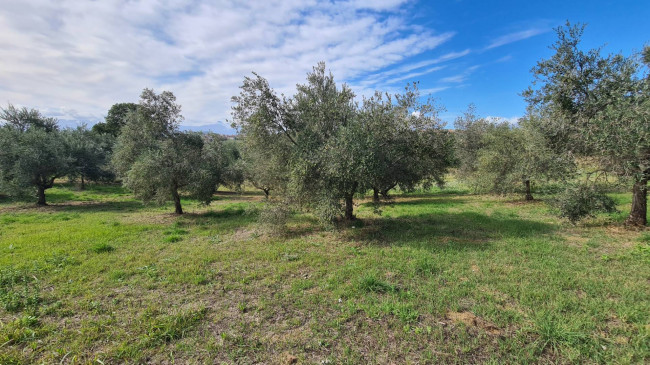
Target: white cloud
509, 120
75, 59
516, 36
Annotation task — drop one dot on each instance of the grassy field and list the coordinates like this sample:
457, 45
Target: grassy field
442, 277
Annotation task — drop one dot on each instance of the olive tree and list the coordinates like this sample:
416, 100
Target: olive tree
513, 157
599, 107
406, 142
265, 171
322, 149
90, 155
267, 132
470, 131
33, 152
155, 160
326, 166
301, 136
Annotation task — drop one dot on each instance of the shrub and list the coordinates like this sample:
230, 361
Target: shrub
579, 201
275, 215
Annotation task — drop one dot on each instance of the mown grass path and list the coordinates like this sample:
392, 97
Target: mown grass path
439, 278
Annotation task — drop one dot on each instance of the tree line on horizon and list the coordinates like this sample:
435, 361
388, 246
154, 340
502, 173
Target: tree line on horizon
320, 148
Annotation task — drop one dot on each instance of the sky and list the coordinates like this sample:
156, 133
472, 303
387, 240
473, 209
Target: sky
74, 59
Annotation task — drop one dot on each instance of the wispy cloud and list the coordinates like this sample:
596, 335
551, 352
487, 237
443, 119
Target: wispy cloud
433, 90
461, 77
378, 77
514, 37
75, 59
411, 76
504, 59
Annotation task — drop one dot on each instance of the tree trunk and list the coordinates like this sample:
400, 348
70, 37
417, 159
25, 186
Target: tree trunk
375, 195
41, 196
349, 207
638, 213
529, 196
384, 192
349, 203
83, 183
266, 193
177, 202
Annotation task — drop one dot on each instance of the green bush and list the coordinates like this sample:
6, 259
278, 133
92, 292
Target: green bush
577, 202
275, 216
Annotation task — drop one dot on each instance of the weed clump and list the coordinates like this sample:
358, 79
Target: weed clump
18, 291
578, 202
101, 248
371, 284
275, 216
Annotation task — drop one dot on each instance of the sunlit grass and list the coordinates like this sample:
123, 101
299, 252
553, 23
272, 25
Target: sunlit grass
440, 276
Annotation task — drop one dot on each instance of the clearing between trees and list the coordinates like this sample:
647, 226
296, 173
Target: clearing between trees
440, 276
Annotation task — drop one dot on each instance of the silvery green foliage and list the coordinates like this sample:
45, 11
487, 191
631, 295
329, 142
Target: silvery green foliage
33, 152
470, 131
512, 158
23, 119
274, 214
90, 154
598, 106
217, 166
267, 132
578, 202
327, 165
406, 143
321, 149
155, 160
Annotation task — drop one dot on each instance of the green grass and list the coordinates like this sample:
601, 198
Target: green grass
441, 276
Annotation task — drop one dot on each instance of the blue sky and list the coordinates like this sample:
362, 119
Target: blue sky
73, 59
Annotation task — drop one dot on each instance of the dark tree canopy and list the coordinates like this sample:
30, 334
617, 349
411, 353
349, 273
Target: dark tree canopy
115, 120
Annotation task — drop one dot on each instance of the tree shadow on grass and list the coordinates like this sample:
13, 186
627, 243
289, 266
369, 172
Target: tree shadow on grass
235, 196
445, 230
232, 217
97, 206
434, 202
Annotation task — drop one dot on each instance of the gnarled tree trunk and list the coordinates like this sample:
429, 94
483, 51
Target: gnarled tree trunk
529, 195
349, 204
384, 192
638, 213
177, 202
375, 195
349, 208
41, 196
